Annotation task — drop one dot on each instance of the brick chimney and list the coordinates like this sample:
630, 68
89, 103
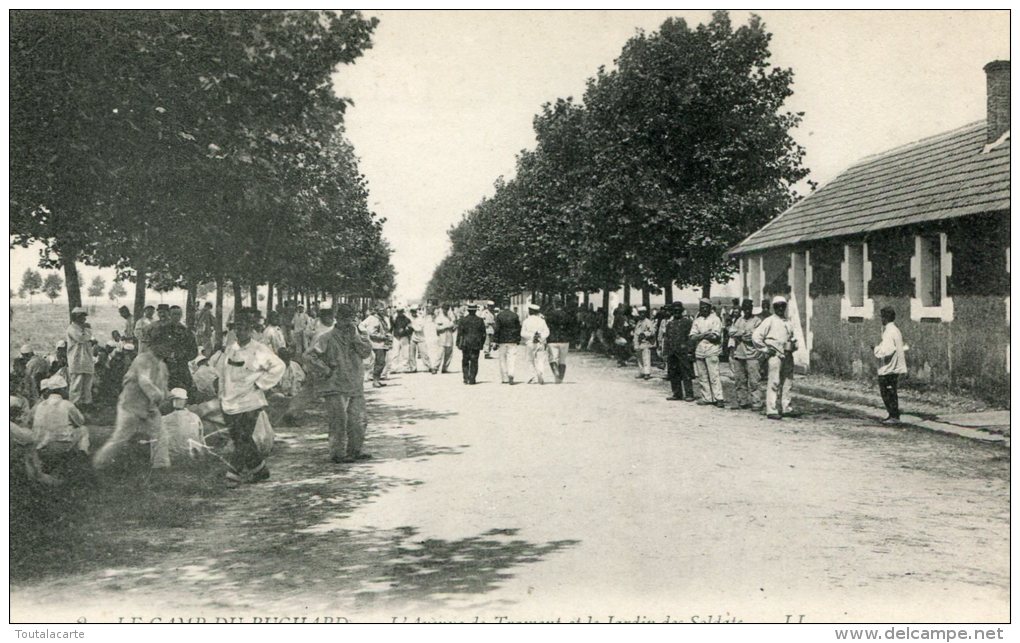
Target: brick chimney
997, 73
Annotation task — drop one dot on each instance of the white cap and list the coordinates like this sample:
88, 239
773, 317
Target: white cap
779, 300
62, 344
79, 309
178, 394
534, 307
129, 346
756, 310
53, 383
641, 309
26, 349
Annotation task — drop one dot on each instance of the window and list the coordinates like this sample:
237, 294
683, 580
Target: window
855, 274
930, 282
752, 268
931, 267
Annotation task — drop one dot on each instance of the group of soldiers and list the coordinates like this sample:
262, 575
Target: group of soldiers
233, 382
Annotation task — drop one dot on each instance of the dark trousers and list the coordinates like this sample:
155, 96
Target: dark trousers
888, 385
680, 370
241, 428
469, 365
380, 363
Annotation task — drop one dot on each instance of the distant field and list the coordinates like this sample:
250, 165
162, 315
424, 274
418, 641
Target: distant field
45, 324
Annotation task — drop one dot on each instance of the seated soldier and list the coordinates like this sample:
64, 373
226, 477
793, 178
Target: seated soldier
60, 438
180, 433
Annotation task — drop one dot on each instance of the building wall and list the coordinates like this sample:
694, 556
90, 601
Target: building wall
961, 346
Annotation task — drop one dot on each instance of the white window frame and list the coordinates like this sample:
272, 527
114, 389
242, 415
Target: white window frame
944, 311
846, 308
755, 266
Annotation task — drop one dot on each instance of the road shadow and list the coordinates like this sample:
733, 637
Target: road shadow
286, 541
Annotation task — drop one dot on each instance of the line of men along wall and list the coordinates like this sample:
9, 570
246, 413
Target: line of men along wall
947, 280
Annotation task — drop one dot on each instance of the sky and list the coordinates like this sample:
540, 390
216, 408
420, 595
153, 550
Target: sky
445, 99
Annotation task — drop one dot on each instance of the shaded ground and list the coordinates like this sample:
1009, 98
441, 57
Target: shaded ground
593, 498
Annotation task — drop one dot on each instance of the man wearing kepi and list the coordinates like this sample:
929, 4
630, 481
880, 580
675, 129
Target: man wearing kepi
707, 332
377, 327
892, 364
644, 341
679, 362
534, 334
507, 334
775, 337
744, 358
336, 359
470, 340
247, 369
80, 365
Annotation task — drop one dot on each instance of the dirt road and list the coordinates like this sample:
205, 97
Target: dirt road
594, 499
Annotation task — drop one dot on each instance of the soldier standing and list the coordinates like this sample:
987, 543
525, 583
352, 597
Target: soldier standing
507, 335
470, 340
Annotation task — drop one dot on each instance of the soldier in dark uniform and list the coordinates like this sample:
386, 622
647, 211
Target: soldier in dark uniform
507, 334
183, 350
679, 354
562, 329
470, 340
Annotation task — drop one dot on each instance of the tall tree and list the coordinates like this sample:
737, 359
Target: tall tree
31, 284
96, 288
52, 286
117, 291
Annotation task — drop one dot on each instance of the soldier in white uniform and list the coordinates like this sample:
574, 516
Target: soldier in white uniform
707, 332
534, 333
775, 337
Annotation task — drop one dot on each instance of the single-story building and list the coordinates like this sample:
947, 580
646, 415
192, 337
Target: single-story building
923, 228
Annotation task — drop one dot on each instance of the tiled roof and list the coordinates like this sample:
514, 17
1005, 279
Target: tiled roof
945, 176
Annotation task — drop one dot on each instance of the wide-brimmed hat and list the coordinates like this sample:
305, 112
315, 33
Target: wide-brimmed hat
26, 349
534, 307
178, 394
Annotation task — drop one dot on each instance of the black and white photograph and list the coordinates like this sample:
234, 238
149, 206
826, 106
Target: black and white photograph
510, 317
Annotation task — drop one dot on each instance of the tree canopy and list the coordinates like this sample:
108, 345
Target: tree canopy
673, 156
183, 147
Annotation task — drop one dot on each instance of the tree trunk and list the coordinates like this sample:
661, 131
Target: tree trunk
140, 279
646, 298
269, 298
605, 305
586, 299
71, 282
254, 294
238, 297
668, 291
626, 294
219, 310
706, 287
189, 313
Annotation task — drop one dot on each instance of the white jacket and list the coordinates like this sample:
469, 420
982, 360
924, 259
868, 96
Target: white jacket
245, 372
890, 351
